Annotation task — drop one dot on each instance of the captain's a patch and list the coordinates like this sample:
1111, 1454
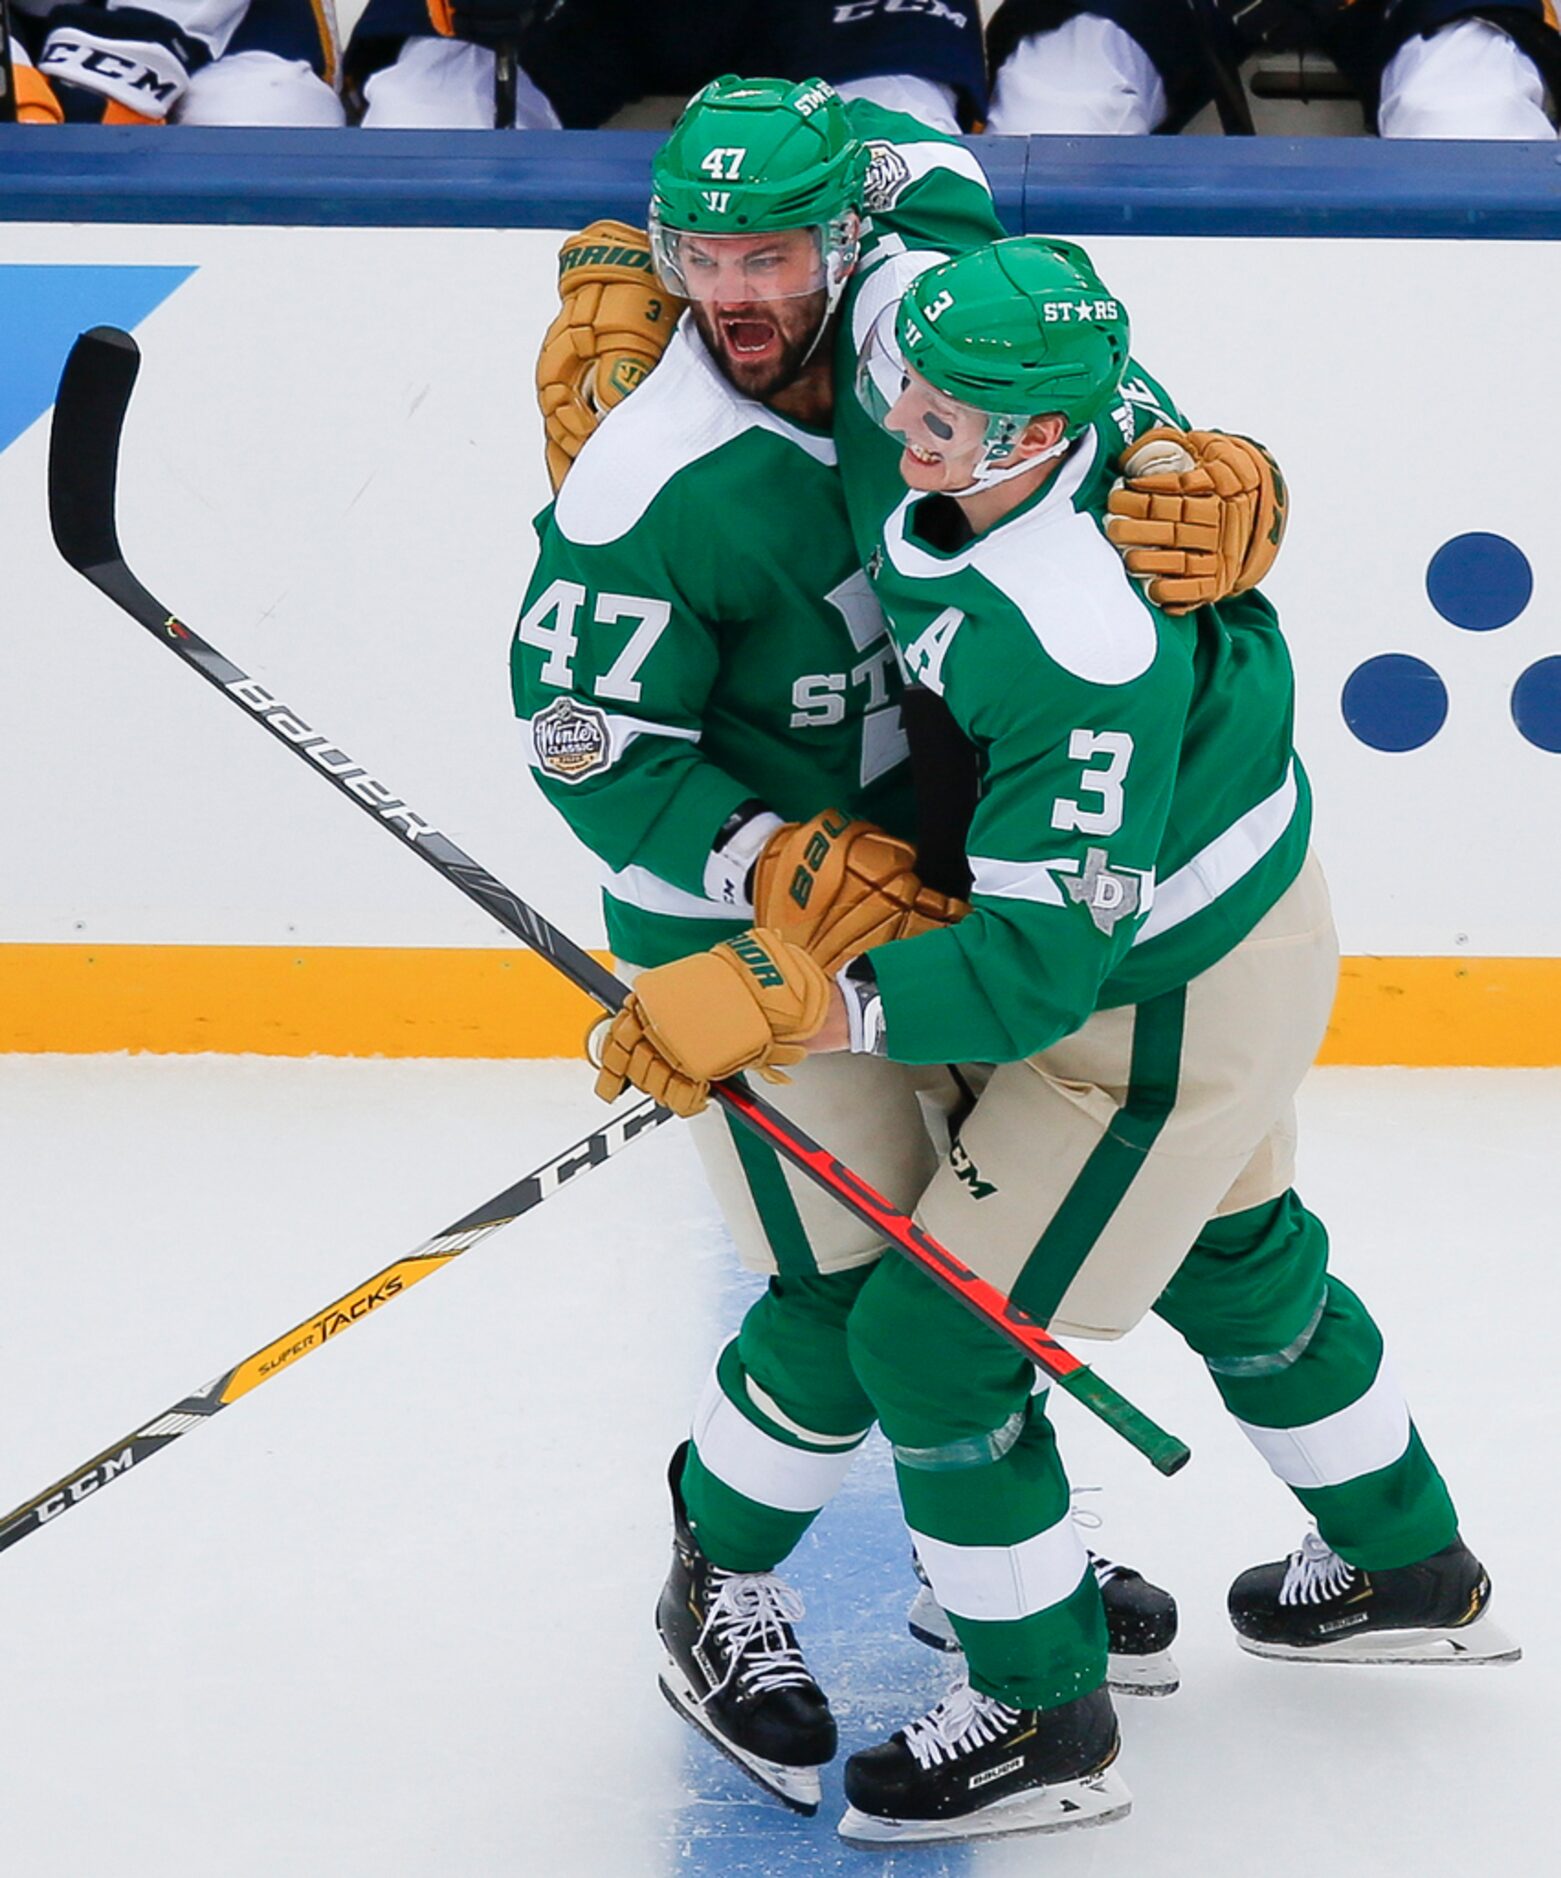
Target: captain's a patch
572, 739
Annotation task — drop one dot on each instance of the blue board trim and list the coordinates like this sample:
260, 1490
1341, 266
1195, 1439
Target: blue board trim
1297, 187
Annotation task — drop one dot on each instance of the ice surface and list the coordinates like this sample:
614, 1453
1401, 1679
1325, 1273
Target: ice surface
390, 1614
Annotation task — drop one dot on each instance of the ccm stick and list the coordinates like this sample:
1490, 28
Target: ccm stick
89, 415
196, 1409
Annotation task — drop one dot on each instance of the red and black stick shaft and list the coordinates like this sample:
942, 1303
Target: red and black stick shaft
89, 415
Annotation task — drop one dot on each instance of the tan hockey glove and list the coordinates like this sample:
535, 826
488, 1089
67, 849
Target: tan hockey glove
613, 325
1199, 516
750, 1003
836, 886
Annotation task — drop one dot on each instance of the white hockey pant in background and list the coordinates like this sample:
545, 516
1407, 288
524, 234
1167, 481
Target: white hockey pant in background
1087, 78
259, 88
922, 98
1468, 80
447, 84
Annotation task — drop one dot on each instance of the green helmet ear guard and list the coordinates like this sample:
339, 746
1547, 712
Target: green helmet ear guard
1025, 325
750, 156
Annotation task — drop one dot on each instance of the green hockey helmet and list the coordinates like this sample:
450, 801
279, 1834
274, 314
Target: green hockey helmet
980, 345
755, 156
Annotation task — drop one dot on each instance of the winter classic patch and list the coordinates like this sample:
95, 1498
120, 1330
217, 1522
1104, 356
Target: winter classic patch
572, 739
887, 175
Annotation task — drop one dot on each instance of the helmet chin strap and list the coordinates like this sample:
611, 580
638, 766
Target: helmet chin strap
839, 265
823, 327
990, 477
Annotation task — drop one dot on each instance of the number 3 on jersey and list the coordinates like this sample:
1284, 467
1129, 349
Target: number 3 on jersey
1116, 746
550, 623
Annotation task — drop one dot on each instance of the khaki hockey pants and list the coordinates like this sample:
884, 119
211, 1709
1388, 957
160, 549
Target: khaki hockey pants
1144, 1161
1082, 1175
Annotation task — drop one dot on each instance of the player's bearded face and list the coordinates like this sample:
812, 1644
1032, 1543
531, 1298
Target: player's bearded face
758, 301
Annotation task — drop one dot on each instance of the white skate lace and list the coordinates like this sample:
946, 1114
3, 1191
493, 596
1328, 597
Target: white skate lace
1088, 1520
963, 1721
749, 1615
1315, 1573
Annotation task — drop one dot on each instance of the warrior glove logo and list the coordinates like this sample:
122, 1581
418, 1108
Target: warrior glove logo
572, 739
759, 963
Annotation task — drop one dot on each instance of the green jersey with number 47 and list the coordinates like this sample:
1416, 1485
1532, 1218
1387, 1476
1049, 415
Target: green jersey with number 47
699, 639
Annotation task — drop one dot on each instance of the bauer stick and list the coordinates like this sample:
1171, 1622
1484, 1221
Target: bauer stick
196, 1409
89, 416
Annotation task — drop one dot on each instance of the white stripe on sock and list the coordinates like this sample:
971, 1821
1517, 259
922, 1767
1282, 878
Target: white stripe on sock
755, 1464
766, 1404
1370, 1434
998, 1583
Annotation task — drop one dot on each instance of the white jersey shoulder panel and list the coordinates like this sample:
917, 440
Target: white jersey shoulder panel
896, 166
885, 283
1060, 574
683, 412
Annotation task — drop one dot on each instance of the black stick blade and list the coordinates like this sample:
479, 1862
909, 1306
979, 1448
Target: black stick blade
89, 413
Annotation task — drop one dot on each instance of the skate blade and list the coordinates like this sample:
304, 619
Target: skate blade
1095, 1801
928, 1623
1479, 1642
797, 1787
1152, 1674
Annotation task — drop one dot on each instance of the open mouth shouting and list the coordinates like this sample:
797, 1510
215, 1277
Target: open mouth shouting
748, 336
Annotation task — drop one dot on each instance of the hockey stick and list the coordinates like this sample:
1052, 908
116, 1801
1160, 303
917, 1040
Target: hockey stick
89, 415
504, 62
196, 1409
8, 111
1230, 96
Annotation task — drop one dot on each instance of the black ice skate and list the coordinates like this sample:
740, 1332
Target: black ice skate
974, 1768
1140, 1627
1315, 1608
734, 1671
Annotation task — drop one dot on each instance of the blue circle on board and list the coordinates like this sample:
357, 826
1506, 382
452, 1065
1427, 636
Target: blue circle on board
1395, 702
1536, 704
1479, 582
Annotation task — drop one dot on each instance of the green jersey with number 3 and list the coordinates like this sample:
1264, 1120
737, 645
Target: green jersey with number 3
1141, 803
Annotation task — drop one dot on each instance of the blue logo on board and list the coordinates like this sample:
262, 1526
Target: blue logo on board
42, 309
1479, 583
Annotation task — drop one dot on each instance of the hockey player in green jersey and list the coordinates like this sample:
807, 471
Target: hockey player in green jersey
1149, 963
711, 699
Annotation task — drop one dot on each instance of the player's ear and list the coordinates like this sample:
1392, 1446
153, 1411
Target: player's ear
1041, 433
854, 222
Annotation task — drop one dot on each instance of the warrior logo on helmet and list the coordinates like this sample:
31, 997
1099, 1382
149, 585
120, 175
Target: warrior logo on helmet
764, 258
